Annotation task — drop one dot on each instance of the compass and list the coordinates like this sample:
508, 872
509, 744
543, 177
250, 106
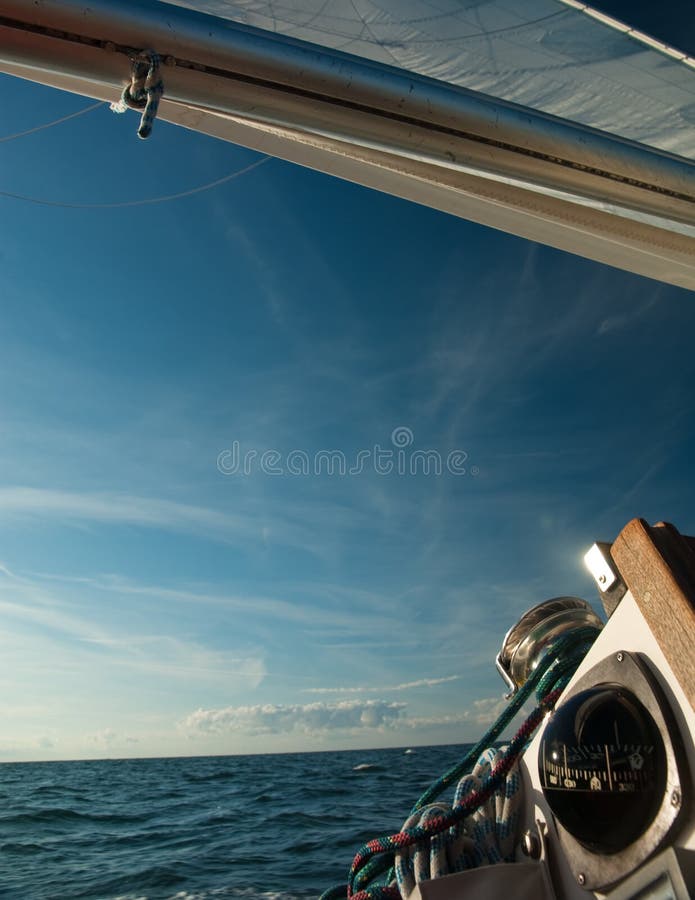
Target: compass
613, 770
602, 767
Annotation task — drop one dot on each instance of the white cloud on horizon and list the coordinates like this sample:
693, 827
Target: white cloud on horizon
486, 710
105, 737
109, 737
404, 686
440, 721
307, 718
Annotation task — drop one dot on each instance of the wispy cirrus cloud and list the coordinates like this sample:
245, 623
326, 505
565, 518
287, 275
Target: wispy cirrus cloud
370, 688
114, 508
631, 316
30, 603
347, 715
261, 606
110, 507
172, 657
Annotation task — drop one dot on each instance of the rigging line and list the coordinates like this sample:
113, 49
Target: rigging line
128, 203
80, 112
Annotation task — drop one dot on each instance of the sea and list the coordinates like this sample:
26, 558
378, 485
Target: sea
196, 828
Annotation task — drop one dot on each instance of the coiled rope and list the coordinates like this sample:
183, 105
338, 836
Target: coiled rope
434, 840
488, 835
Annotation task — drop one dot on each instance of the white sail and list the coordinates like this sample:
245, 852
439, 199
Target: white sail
536, 117
555, 56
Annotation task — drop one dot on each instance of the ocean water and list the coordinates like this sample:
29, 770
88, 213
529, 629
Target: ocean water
252, 827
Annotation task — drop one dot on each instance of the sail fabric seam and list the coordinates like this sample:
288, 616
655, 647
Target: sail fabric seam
609, 21
414, 42
367, 30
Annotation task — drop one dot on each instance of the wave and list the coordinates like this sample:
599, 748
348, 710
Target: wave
257, 828
21, 848
212, 776
302, 819
64, 789
62, 814
157, 878
250, 893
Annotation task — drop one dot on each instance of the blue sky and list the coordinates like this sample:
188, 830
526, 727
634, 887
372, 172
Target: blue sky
151, 601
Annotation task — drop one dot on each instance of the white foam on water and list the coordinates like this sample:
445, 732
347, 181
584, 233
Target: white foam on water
250, 892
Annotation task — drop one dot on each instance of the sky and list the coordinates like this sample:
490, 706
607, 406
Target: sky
217, 531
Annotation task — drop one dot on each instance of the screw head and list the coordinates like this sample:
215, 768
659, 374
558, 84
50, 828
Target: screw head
581, 878
530, 845
620, 656
675, 797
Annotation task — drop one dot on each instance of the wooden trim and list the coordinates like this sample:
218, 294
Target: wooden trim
657, 564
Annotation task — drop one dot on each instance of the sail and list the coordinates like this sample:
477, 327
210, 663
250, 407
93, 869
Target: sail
541, 118
555, 56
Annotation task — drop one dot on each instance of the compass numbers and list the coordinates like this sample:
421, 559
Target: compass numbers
600, 767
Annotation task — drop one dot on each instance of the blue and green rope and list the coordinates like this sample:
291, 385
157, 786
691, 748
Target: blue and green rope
548, 680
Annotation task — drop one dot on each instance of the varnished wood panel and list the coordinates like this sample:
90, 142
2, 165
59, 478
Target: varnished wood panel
657, 564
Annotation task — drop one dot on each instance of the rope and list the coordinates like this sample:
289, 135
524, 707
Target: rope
573, 649
487, 837
443, 821
21, 134
480, 827
127, 203
144, 91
